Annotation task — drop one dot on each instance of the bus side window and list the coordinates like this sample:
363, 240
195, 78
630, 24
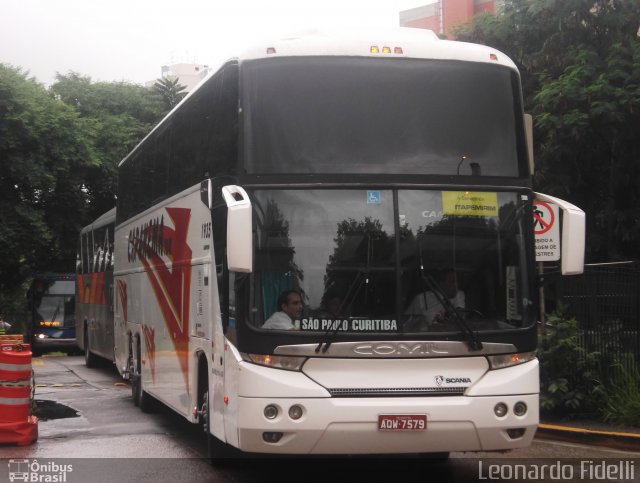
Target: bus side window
86, 256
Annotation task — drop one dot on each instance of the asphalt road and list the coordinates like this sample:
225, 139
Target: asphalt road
90, 431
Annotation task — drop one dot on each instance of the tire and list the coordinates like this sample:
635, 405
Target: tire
135, 389
145, 403
140, 397
218, 452
90, 359
134, 380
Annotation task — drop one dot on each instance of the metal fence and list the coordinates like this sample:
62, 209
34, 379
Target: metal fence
605, 300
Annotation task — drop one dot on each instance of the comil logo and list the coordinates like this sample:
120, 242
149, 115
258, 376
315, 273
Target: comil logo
33, 471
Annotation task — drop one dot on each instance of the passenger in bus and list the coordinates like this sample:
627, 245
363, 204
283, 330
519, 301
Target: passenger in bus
290, 305
332, 306
427, 304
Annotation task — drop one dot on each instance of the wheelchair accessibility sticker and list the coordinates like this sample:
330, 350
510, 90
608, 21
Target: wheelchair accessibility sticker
373, 197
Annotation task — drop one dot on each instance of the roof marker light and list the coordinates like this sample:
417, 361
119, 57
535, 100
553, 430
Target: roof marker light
386, 50
397, 50
271, 50
374, 49
493, 56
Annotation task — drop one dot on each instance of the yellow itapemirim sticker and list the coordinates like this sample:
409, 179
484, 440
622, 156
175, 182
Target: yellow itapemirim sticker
469, 203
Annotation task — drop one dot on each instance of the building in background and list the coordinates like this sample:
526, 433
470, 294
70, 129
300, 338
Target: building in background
189, 75
441, 15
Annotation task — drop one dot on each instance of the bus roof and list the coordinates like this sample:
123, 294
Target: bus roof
402, 42
414, 43
102, 220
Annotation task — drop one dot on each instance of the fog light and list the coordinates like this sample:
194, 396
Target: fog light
270, 412
515, 433
271, 436
295, 412
520, 408
500, 409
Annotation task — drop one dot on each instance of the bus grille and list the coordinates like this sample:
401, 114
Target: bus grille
396, 391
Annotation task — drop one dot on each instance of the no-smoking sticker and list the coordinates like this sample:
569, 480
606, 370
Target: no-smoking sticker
547, 233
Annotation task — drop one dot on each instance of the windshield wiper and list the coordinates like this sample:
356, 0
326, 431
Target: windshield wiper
329, 335
352, 293
55, 314
474, 342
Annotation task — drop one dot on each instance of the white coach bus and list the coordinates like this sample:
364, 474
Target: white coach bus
374, 193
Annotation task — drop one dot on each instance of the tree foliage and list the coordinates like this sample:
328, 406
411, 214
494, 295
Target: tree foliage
569, 376
45, 149
118, 115
580, 66
59, 148
170, 90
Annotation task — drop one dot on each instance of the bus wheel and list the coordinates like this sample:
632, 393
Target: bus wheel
217, 451
134, 379
140, 397
90, 359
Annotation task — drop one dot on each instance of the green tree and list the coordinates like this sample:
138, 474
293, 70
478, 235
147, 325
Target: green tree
580, 67
45, 149
59, 149
118, 116
171, 91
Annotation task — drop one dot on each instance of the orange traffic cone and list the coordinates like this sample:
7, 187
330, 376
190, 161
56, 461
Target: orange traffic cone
17, 424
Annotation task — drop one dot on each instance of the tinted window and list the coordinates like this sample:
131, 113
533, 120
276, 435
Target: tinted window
363, 115
361, 269
198, 141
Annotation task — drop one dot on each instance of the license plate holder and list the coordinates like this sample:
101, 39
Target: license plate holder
402, 422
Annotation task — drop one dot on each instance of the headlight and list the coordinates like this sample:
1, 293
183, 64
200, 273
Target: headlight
277, 362
508, 360
41, 336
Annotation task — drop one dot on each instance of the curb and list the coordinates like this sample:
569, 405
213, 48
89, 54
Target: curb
609, 439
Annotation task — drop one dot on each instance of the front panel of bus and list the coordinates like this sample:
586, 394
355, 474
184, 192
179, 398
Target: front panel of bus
52, 305
372, 183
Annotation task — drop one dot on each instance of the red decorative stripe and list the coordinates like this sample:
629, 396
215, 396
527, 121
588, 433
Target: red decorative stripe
150, 343
94, 293
124, 299
173, 288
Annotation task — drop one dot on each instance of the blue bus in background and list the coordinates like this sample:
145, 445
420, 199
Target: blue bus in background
51, 324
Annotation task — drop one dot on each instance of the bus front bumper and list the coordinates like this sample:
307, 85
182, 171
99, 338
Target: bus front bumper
350, 425
53, 343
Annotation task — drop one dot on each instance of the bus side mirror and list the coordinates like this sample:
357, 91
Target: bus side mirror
239, 229
528, 127
573, 235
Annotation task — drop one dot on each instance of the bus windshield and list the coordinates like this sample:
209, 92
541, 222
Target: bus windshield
392, 261
370, 116
53, 303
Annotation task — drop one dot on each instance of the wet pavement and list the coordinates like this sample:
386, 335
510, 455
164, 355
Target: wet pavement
89, 413
88, 420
